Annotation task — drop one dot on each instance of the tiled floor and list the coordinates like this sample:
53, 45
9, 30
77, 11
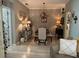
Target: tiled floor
29, 50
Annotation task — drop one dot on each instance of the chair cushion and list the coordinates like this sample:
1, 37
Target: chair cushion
55, 48
68, 47
54, 51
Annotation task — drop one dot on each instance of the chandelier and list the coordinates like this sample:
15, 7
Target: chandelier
44, 14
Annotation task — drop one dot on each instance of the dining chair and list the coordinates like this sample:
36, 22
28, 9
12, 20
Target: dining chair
42, 35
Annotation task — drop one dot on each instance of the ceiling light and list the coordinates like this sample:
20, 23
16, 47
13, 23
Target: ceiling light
26, 3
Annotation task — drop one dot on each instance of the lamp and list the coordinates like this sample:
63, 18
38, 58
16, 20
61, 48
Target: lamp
44, 15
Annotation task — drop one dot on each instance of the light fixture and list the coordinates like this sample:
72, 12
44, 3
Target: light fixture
28, 22
44, 14
57, 22
58, 17
26, 3
20, 18
75, 19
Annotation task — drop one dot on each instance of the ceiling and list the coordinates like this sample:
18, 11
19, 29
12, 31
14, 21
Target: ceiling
49, 4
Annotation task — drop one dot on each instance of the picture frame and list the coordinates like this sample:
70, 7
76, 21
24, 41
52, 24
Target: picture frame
44, 17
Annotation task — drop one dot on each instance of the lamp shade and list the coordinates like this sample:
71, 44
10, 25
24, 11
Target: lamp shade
58, 22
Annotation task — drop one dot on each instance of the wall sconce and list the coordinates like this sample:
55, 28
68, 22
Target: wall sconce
28, 22
57, 22
75, 19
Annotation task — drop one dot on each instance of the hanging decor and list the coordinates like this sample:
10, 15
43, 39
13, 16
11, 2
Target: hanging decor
44, 15
75, 19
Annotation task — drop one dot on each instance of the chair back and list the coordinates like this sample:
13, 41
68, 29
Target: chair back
42, 33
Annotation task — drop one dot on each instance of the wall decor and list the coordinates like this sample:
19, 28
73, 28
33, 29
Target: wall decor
21, 16
75, 19
43, 17
43, 14
69, 15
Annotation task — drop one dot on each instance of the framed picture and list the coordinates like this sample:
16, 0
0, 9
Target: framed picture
44, 17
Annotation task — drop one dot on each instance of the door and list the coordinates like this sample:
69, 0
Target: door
7, 33
1, 36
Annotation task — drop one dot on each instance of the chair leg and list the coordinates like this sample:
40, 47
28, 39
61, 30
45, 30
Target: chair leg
44, 43
38, 42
